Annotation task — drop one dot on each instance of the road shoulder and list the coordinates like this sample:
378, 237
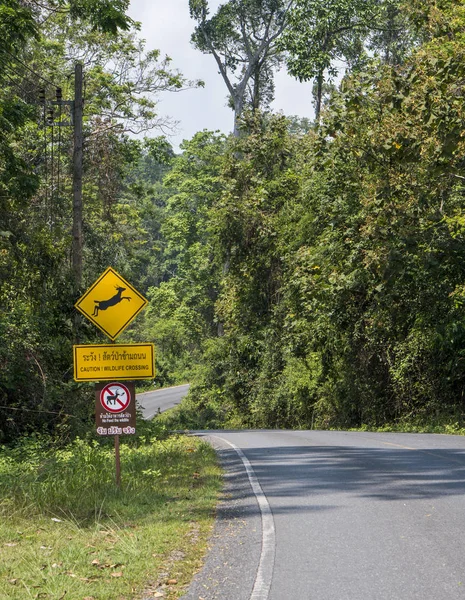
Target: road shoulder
235, 546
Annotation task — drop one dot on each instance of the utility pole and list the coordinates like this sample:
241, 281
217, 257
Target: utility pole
77, 179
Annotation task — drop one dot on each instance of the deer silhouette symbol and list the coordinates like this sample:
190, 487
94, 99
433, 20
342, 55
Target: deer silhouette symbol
111, 398
116, 299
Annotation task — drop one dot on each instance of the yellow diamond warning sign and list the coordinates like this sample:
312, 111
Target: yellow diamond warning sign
111, 303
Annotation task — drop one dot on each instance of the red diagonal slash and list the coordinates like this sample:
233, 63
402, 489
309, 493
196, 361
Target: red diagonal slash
121, 403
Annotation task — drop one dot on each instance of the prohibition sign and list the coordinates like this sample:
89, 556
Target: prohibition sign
115, 397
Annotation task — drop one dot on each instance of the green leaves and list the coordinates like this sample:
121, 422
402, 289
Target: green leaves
16, 25
321, 34
342, 294
124, 197
108, 16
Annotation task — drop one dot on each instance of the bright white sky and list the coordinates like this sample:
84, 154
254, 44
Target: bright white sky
167, 26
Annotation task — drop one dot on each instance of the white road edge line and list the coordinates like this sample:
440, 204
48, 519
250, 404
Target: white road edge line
262, 585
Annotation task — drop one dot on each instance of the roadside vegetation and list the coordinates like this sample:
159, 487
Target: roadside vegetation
300, 273
68, 532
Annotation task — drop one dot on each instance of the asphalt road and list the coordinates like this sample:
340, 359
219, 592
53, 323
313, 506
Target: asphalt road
160, 400
347, 516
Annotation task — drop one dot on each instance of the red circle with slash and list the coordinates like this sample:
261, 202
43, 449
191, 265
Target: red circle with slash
115, 397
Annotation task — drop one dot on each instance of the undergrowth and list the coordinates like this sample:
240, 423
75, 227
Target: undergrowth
68, 531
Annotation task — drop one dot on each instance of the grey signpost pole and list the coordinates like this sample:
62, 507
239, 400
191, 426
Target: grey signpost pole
117, 456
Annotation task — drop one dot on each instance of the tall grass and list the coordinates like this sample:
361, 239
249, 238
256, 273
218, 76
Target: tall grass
65, 528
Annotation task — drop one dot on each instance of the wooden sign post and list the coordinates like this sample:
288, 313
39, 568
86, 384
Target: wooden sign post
117, 462
115, 414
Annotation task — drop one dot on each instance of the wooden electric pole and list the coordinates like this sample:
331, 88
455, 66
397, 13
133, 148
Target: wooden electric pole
77, 179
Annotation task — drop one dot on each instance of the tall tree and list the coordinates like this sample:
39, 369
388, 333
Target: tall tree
323, 33
345, 293
243, 39
392, 35
36, 297
182, 316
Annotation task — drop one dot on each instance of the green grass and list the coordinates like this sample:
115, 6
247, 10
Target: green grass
67, 532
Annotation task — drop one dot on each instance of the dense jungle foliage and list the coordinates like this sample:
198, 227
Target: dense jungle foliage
299, 275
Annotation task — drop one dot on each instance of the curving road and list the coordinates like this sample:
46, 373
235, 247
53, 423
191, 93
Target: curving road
160, 400
346, 515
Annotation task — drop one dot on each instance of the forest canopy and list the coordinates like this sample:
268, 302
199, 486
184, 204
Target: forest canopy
301, 272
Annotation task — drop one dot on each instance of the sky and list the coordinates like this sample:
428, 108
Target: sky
167, 26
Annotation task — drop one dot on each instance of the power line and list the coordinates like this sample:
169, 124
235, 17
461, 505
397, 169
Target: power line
29, 68
19, 88
8, 65
52, 147
19, 82
33, 90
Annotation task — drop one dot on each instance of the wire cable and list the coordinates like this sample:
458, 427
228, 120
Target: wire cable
29, 68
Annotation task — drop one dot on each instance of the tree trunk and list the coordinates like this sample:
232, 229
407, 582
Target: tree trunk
238, 100
256, 91
319, 95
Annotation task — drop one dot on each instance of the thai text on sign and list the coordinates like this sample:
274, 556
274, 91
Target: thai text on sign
105, 362
115, 410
